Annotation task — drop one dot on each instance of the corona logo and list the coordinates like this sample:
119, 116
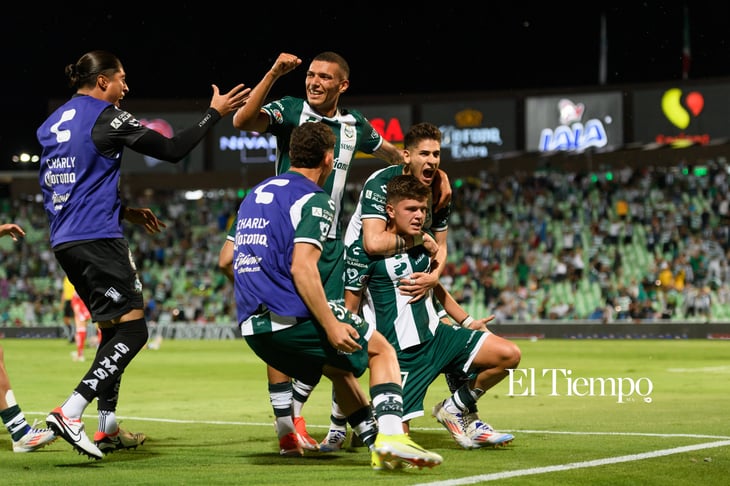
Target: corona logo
468, 118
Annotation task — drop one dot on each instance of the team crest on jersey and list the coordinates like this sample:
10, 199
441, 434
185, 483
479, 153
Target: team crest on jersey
278, 117
349, 132
324, 228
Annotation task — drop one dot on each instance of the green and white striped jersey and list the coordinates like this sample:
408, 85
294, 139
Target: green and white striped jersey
404, 325
354, 133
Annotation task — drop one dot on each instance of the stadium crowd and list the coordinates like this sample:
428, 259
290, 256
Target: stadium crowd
630, 244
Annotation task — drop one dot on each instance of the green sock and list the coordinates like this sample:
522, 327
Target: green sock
15, 422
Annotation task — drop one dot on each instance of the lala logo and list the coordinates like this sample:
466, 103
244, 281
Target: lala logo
572, 134
570, 112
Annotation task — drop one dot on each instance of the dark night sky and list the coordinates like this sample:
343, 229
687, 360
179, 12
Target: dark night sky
489, 46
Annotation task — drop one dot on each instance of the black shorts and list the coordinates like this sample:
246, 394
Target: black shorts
104, 275
68, 311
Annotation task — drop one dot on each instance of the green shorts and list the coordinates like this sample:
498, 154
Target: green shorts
331, 267
452, 349
300, 351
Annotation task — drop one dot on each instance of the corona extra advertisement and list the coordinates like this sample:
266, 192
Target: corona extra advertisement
473, 129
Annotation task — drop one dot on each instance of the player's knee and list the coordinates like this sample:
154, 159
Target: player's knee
512, 356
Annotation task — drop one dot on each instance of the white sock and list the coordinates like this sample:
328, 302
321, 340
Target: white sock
74, 406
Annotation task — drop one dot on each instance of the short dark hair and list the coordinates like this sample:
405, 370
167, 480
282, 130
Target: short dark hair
406, 186
309, 143
421, 131
329, 56
83, 74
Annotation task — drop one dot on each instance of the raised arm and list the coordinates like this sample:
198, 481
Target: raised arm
250, 117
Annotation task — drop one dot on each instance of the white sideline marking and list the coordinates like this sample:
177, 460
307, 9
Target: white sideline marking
315, 426
504, 474
706, 369
577, 465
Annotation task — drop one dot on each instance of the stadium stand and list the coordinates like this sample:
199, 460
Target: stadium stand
648, 245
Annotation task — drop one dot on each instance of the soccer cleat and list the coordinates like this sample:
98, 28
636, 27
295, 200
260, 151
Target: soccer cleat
333, 441
305, 440
34, 439
379, 464
392, 450
120, 440
72, 431
455, 423
289, 446
483, 435
376, 462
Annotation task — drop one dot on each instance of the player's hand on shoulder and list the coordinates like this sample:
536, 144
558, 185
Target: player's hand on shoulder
430, 243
